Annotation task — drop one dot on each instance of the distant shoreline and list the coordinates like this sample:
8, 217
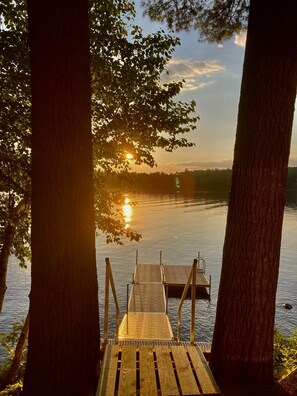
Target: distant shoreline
211, 180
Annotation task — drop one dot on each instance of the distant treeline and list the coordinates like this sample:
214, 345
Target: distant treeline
199, 180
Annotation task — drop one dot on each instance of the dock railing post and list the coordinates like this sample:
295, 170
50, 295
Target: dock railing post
203, 266
181, 304
166, 289
109, 279
193, 308
127, 308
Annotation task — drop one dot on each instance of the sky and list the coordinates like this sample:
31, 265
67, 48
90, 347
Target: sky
213, 77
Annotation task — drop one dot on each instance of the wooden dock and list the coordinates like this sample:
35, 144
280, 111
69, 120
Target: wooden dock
177, 275
146, 318
145, 360
155, 370
148, 297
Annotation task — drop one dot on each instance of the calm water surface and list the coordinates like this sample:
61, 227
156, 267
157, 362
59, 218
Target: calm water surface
180, 227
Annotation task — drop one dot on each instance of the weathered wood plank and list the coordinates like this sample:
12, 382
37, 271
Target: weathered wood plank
204, 374
148, 383
184, 371
127, 385
167, 378
106, 386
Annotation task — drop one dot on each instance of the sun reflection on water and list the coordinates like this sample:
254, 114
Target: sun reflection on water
127, 211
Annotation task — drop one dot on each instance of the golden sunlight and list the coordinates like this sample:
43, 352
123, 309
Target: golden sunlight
127, 211
129, 156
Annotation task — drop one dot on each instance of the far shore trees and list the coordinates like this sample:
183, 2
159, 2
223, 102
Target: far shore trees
242, 352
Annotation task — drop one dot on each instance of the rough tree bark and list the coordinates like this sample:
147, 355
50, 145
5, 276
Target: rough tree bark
63, 344
243, 337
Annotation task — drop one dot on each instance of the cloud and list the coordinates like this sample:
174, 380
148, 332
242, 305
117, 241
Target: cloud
240, 39
196, 74
293, 162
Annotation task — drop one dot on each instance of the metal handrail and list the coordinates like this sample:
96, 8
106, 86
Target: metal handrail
109, 280
191, 278
199, 258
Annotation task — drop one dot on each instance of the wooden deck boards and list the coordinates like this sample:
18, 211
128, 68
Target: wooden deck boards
147, 374
109, 369
177, 275
155, 370
127, 385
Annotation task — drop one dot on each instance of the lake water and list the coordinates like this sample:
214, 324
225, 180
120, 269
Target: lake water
179, 226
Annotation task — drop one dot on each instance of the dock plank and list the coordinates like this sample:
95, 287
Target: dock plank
106, 385
148, 384
184, 371
166, 373
162, 370
177, 275
127, 385
203, 372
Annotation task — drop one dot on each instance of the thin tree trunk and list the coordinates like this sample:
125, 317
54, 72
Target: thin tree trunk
8, 240
63, 344
17, 355
243, 337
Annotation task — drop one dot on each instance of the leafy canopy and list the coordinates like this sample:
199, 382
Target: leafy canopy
132, 111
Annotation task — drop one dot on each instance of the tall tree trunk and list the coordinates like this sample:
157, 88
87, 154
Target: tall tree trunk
63, 344
8, 239
243, 337
17, 354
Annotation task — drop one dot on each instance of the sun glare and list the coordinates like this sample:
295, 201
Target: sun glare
129, 156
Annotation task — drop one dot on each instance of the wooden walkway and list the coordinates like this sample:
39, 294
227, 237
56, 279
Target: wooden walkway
155, 370
146, 361
146, 318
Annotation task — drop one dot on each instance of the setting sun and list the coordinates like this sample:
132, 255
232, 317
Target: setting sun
129, 156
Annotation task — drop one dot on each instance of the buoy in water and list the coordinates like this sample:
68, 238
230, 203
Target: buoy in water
287, 306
